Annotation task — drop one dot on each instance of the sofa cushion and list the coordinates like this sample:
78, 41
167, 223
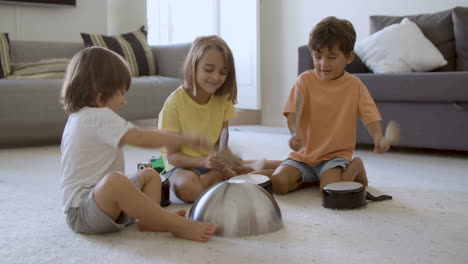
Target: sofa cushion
5, 66
391, 51
440, 87
437, 27
133, 46
46, 68
460, 29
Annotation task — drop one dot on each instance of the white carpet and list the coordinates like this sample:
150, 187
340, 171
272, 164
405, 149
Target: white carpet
426, 222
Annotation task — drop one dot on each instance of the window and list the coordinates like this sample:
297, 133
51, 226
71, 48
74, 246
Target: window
178, 21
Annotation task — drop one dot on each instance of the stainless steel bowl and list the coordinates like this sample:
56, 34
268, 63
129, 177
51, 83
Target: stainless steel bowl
238, 208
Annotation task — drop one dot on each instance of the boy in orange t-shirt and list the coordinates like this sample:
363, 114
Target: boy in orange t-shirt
333, 100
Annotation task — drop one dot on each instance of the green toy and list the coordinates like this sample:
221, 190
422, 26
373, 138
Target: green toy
155, 163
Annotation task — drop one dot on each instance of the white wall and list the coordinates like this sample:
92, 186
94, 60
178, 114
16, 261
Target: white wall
125, 15
51, 23
285, 25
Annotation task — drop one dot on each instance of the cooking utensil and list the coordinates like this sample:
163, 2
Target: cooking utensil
348, 195
238, 209
392, 134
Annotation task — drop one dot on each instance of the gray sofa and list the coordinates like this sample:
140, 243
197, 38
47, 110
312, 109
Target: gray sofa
432, 107
30, 112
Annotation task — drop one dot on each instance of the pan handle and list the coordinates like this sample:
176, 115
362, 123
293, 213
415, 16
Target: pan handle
371, 197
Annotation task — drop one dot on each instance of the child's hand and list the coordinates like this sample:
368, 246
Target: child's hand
213, 162
381, 145
295, 143
229, 172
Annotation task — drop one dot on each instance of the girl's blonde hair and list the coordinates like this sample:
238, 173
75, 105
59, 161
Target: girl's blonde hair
93, 74
197, 50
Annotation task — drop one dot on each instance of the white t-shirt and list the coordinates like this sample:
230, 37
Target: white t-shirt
90, 150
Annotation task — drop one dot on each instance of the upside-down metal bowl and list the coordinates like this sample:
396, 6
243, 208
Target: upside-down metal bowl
238, 208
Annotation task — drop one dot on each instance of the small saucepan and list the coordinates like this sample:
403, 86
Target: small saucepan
348, 195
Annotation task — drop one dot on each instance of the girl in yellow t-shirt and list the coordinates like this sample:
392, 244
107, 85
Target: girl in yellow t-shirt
203, 105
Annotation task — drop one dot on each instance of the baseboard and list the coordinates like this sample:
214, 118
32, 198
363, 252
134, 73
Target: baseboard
247, 117
244, 117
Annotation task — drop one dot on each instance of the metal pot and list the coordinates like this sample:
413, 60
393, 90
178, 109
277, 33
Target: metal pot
344, 195
238, 208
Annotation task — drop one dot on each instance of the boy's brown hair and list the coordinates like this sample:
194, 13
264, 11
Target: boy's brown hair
93, 74
333, 31
199, 47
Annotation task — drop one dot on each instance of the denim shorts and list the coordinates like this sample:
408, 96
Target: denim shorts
88, 218
313, 173
199, 171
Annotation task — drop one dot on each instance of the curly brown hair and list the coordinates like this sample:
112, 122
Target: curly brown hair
333, 31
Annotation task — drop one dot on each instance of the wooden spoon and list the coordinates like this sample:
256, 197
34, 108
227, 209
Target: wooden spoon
392, 134
299, 104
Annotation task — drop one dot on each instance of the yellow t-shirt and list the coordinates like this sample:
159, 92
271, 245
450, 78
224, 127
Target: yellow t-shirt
180, 113
329, 115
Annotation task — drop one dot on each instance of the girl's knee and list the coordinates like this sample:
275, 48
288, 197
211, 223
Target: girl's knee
188, 189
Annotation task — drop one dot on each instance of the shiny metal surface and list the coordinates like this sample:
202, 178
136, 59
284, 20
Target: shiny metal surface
239, 208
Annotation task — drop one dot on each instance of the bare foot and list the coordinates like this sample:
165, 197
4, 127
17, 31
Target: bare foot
142, 227
193, 230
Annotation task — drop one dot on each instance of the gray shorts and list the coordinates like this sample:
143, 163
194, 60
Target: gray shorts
89, 219
313, 173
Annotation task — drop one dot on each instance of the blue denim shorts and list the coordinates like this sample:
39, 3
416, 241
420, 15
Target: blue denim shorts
313, 173
200, 171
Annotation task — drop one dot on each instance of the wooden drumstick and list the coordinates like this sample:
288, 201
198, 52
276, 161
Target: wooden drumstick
223, 139
299, 104
392, 134
255, 165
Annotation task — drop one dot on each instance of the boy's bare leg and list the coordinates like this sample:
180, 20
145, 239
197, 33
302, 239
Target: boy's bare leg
188, 185
115, 193
150, 182
286, 179
269, 168
356, 172
331, 176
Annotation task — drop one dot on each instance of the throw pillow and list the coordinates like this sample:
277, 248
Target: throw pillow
399, 48
47, 68
460, 28
133, 46
437, 27
40, 66
46, 75
5, 67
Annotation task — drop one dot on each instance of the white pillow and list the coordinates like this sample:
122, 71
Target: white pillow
399, 48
